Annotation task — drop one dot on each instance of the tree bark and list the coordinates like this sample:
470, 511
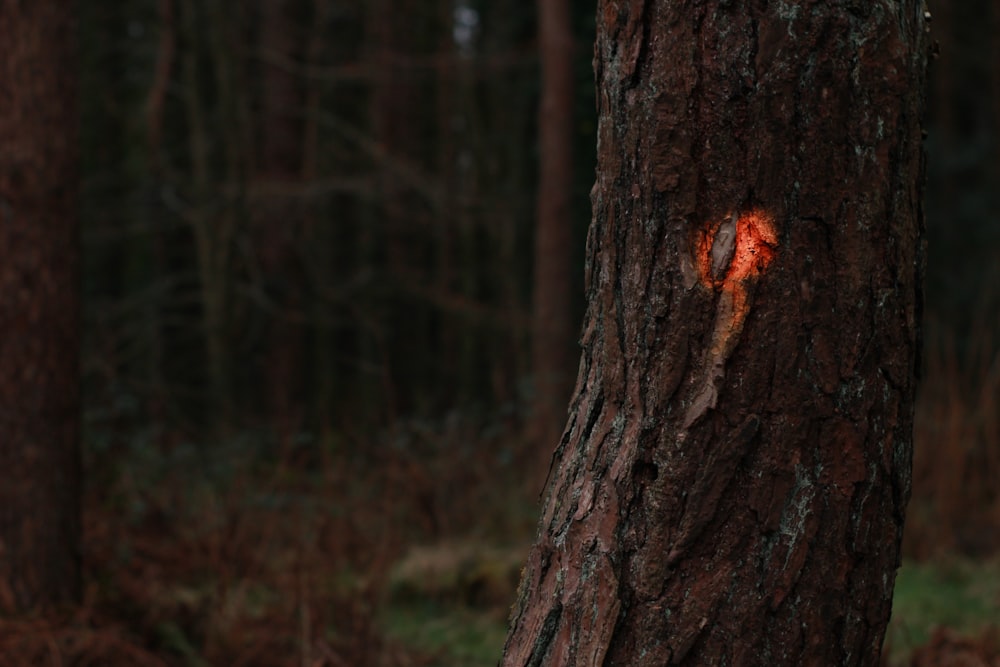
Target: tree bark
732, 480
39, 308
552, 331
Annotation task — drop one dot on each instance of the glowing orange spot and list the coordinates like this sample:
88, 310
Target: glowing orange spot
703, 251
730, 254
755, 244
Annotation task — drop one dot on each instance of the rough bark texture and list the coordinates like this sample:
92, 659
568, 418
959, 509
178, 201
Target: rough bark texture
552, 320
731, 484
39, 495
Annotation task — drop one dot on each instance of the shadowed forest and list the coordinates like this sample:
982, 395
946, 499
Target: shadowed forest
332, 287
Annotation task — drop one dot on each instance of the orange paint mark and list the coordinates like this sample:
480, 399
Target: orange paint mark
755, 245
756, 240
754, 248
730, 255
703, 252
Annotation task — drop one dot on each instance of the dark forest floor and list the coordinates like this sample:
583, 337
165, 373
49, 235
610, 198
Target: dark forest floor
408, 554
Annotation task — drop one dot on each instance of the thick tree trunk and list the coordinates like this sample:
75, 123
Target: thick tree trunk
731, 484
39, 308
552, 334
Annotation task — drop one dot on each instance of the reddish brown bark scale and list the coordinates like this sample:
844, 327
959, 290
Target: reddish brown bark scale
39, 495
731, 484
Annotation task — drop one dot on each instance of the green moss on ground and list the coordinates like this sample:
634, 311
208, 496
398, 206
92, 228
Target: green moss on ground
451, 600
430, 611
456, 636
960, 595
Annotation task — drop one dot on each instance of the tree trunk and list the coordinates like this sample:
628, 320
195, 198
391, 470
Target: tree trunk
995, 89
399, 128
279, 221
552, 330
212, 234
39, 308
731, 484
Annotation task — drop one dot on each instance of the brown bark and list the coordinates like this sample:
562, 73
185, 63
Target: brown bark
731, 484
552, 331
39, 318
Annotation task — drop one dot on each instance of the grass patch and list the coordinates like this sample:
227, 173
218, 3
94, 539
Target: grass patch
455, 636
960, 595
450, 601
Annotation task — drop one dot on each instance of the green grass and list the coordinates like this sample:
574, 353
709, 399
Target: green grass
963, 596
456, 636
450, 601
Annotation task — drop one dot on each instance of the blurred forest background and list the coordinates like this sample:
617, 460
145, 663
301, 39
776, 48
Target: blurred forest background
318, 382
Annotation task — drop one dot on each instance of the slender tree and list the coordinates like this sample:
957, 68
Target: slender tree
39, 307
552, 330
278, 221
403, 39
731, 484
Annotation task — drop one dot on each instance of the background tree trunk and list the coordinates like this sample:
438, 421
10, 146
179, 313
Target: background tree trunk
731, 484
39, 308
552, 322
279, 220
